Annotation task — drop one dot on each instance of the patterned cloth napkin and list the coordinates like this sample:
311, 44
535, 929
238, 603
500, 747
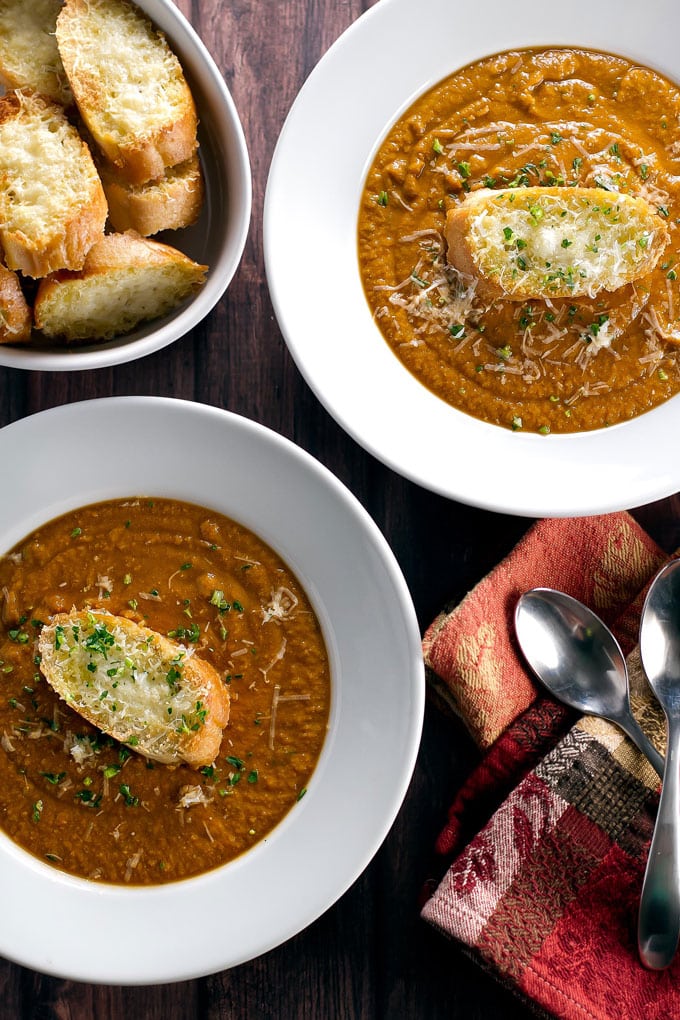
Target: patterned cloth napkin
545, 846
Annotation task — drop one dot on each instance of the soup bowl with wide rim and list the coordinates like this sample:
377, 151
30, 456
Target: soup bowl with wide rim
372, 74
223, 462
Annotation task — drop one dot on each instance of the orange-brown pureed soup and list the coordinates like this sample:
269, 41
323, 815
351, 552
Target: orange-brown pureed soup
95, 808
553, 117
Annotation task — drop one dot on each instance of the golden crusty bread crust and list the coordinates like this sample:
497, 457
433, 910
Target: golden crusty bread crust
16, 317
170, 203
52, 204
550, 242
135, 684
129, 87
29, 57
126, 279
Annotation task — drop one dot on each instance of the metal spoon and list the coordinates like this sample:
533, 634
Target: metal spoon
659, 920
575, 655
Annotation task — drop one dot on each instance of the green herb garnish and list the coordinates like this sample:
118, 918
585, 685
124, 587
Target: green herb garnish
130, 801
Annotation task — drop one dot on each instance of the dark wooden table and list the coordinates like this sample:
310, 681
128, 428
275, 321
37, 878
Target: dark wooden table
369, 956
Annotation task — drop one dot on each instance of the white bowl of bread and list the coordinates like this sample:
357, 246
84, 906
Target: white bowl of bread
125, 189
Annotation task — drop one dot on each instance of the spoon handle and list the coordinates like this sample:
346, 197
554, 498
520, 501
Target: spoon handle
659, 918
632, 729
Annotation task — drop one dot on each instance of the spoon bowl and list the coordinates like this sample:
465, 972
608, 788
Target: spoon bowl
578, 659
659, 919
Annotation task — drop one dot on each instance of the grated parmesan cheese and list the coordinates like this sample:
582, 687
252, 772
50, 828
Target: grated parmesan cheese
190, 796
283, 603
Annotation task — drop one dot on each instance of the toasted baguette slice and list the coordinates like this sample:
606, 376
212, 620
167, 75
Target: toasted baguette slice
129, 87
163, 701
52, 204
553, 242
16, 318
126, 280
170, 203
29, 57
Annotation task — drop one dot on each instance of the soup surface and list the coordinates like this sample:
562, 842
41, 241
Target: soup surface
556, 117
90, 806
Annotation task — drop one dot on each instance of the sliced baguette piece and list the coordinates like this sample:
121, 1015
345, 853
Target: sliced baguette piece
29, 57
129, 87
52, 204
126, 280
550, 242
170, 203
167, 704
16, 318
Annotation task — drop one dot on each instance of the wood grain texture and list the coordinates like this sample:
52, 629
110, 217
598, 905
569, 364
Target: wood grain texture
369, 957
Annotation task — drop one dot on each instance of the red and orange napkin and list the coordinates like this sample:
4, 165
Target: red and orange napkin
544, 851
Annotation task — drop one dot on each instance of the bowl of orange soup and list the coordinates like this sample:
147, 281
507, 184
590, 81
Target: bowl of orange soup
496, 315
208, 541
